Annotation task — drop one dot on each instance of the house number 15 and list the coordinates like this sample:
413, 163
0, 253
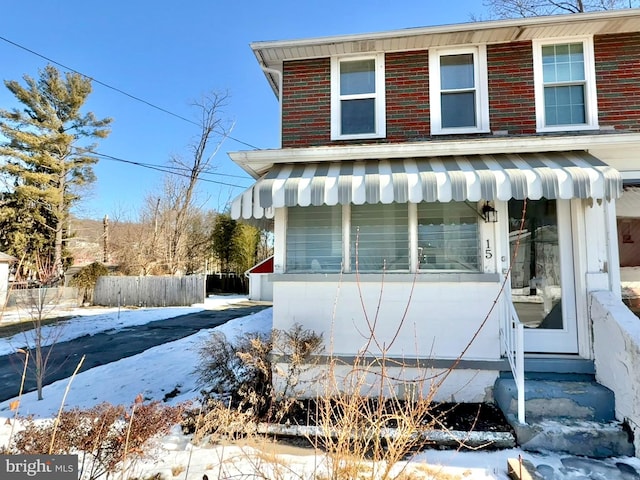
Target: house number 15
488, 254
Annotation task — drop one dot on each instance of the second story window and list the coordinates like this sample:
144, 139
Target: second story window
458, 91
357, 103
565, 85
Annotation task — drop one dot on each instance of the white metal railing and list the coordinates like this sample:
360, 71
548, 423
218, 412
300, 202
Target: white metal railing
513, 338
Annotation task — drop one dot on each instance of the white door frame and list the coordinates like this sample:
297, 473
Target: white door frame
565, 340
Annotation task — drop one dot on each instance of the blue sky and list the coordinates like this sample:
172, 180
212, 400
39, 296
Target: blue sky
170, 53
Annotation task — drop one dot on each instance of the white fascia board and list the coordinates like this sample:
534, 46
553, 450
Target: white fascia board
519, 23
257, 162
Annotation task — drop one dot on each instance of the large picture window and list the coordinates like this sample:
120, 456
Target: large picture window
358, 106
448, 237
314, 239
379, 237
443, 236
458, 91
565, 86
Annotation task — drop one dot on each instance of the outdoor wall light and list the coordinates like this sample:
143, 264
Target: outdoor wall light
489, 213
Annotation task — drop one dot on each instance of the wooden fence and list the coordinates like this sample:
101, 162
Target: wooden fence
113, 291
48, 297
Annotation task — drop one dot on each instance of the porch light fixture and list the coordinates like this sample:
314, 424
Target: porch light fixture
489, 213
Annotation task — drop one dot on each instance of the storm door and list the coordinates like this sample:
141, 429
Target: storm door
542, 277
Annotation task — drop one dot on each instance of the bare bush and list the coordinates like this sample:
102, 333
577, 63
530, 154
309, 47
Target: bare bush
104, 436
237, 377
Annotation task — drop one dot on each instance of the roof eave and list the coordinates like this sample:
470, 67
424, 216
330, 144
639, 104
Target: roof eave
272, 54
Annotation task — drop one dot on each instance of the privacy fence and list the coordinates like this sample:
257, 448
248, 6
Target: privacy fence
227, 283
46, 297
113, 291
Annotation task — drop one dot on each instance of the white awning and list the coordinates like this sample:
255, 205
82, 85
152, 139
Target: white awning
553, 175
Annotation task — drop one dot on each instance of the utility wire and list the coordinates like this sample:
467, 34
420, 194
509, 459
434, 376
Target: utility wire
116, 89
168, 169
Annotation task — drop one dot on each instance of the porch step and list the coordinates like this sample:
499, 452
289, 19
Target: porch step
573, 415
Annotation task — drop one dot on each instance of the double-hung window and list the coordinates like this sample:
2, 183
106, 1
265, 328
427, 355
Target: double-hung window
357, 97
458, 93
565, 85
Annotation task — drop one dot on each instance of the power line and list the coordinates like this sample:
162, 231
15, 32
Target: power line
168, 169
116, 89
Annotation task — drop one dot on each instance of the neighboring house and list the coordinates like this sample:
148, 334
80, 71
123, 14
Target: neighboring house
5, 264
407, 160
260, 280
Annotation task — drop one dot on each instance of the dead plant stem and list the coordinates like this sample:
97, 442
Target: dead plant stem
64, 398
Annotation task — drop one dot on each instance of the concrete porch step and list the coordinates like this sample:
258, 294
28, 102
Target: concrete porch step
573, 415
580, 400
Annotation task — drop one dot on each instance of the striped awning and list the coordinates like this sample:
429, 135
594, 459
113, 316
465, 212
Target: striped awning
554, 175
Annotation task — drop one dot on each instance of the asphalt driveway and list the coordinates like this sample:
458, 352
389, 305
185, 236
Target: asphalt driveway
110, 346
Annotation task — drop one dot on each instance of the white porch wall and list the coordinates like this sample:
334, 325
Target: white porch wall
441, 317
616, 333
462, 385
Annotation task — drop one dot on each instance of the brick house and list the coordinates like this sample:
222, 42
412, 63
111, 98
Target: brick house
459, 182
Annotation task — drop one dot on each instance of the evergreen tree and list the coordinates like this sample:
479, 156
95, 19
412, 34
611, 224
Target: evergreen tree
47, 158
224, 231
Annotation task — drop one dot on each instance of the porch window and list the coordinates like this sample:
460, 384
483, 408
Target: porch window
565, 86
380, 237
448, 237
357, 91
314, 239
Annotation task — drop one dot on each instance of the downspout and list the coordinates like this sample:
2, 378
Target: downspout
277, 73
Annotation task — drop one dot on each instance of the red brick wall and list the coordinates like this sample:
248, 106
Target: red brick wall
306, 103
407, 92
511, 90
307, 93
618, 80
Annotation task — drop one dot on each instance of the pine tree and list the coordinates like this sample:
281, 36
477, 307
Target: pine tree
47, 158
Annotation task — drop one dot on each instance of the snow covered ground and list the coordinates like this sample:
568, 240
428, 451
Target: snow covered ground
164, 368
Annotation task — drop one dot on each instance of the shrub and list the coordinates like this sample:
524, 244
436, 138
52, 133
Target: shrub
86, 279
104, 436
237, 377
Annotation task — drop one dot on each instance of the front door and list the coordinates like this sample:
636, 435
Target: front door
542, 275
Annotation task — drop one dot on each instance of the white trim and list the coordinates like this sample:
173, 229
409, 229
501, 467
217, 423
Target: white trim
257, 162
631, 175
380, 122
413, 237
593, 18
479, 53
346, 238
590, 94
280, 240
581, 255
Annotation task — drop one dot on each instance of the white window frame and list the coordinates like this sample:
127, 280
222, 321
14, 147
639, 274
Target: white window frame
380, 122
479, 53
590, 93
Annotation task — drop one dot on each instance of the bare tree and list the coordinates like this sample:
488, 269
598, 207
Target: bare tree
533, 8
39, 304
202, 150
173, 232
